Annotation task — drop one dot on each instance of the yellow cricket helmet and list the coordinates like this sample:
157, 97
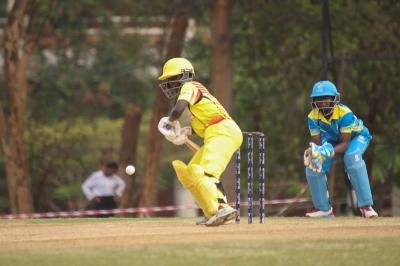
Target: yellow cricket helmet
176, 66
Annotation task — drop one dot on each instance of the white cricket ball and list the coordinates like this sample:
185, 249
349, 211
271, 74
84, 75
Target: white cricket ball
130, 169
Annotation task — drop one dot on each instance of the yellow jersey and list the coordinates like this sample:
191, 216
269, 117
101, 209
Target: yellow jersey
203, 109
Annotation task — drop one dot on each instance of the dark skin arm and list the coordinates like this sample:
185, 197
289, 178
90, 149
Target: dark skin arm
339, 149
178, 110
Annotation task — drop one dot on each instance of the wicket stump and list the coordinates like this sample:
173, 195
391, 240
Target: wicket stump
250, 177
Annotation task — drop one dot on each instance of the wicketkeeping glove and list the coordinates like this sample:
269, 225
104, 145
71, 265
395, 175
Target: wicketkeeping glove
321, 153
308, 162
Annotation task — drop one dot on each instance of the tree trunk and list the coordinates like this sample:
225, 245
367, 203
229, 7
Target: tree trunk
221, 53
128, 153
222, 73
150, 175
12, 119
18, 179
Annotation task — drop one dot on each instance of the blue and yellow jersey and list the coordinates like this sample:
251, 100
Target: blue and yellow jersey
342, 121
204, 109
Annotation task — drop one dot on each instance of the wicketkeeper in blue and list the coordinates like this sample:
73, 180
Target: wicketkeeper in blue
335, 131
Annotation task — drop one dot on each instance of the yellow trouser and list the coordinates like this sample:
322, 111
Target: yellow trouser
221, 141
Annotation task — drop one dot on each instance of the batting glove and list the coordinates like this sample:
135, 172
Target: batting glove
182, 138
168, 128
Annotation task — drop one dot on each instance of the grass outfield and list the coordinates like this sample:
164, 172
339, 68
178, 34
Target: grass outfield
178, 241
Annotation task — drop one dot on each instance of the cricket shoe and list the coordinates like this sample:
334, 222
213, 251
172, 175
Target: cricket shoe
320, 214
223, 216
202, 221
368, 212
228, 222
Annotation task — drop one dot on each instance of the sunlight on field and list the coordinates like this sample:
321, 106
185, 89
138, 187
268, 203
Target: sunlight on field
122, 241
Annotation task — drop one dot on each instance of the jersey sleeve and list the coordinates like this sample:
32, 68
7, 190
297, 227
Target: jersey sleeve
347, 123
190, 93
314, 130
88, 185
119, 190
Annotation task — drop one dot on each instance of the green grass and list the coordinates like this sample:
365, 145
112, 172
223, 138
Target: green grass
308, 251
380, 251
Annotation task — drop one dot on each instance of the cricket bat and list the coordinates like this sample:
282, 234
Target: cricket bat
193, 146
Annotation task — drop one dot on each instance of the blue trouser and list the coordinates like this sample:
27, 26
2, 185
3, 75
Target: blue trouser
355, 168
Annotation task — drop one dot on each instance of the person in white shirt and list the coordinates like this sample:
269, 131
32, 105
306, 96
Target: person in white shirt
103, 186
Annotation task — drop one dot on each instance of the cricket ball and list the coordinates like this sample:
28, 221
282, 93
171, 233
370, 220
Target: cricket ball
130, 169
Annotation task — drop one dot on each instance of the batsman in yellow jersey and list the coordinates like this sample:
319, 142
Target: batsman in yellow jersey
210, 121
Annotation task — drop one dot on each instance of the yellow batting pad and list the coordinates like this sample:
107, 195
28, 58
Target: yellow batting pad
187, 182
206, 188
183, 174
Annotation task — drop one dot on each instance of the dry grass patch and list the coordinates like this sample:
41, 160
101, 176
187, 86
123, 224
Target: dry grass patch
177, 241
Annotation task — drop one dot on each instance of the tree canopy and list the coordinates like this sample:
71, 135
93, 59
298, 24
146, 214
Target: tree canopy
92, 58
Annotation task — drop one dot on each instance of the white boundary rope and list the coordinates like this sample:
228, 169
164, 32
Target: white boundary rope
142, 211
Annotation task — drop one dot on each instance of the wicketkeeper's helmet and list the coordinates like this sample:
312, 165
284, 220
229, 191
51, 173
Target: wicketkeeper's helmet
325, 88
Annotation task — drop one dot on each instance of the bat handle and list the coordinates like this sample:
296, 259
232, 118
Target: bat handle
168, 126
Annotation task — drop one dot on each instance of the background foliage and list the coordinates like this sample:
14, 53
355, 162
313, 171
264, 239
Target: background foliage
80, 85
